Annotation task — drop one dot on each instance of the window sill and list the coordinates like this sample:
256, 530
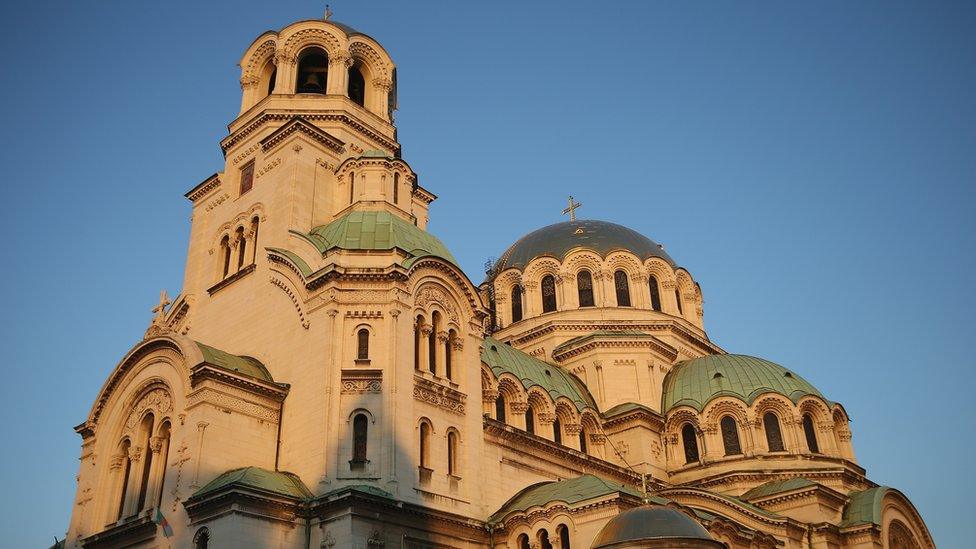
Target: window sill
362, 362
230, 279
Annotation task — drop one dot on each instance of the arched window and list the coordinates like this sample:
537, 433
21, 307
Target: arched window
163, 435
126, 470
811, 434
449, 354
254, 238
544, 542
147, 455
690, 441
452, 443
271, 81
435, 325
622, 287
584, 287
548, 293
582, 439
516, 303
360, 426
202, 539
352, 186
425, 444
530, 420
523, 542
241, 244
362, 344
563, 532
774, 437
655, 293
225, 251
500, 408
396, 188
730, 436
557, 431
417, 341
677, 297
357, 85
313, 71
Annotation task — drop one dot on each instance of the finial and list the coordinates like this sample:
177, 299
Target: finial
571, 210
160, 309
328, 12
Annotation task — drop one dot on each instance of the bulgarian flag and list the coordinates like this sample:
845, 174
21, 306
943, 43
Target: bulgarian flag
161, 520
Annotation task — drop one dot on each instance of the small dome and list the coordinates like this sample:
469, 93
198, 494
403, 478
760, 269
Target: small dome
378, 230
653, 526
695, 382
559, 239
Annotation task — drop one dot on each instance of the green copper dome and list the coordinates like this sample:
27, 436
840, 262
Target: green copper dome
696, 382
653, 526
559, 239
378, 231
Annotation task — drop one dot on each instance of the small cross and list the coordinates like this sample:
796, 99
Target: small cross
160, 309
328, 12
571, 210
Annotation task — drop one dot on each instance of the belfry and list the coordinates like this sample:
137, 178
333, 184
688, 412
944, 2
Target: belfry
328, 375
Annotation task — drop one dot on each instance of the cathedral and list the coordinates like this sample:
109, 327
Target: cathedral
329, 377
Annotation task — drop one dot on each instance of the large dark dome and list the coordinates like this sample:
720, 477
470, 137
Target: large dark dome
653, 526
557, 240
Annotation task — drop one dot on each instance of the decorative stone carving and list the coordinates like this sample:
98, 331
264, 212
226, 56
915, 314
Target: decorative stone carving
156, 400
439, 395
518, 407
432, 294
294, 300
489, 395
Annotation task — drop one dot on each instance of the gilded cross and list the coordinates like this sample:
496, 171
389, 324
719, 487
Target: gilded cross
571, 210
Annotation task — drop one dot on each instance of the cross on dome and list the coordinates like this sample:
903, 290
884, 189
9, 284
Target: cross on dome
571, 210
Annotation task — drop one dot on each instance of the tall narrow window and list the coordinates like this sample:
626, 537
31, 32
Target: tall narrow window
126, 470
425, 445
396, 188
622, 287
810, 434
730, 436
563, 531
352, 186
655, 293
584, 287
523, 541
225, 250
417, 341
544, 542
516, 303
690, 441
247, 177
452, 442
582, 439
357, 86
449, 354
241, 245
548, 293
435, 324
147, 455
677, 298
557, 431
313, 71
500, 408
271, 81
774, 438
530, 420
362, 344
360, 425
254, 239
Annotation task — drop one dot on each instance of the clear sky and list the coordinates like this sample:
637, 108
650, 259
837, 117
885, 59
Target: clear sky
812, 166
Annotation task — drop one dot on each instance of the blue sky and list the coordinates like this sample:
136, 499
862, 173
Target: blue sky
812, 165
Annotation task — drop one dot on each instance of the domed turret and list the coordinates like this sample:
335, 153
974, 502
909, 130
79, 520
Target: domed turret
653, 526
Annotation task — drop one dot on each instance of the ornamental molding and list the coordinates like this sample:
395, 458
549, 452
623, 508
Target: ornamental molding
267, 168
432, 295
439, 395
246, 152
602, 342
217, 201
364, 315
229, 402
358, 382
157, 400
249, 385
300, 125
294, 299
295, 43
343, 118
204, 188
587, 327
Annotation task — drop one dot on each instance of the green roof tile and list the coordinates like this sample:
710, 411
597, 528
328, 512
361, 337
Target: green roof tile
777, 487
502, 358
378, 231
256, 478
240, 364
696, 382
864, 507
570, 491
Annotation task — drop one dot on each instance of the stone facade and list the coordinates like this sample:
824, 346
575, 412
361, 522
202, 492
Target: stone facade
323, 333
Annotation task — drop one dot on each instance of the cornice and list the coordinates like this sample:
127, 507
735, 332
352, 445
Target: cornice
639, 416
231, 279
704, 494
587, 326
834, 496
423, 194
206, 371
132, 532
203, 188
571, 350
845, 473
299, 125
335, 116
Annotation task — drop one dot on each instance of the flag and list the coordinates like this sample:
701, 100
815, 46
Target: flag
161, 520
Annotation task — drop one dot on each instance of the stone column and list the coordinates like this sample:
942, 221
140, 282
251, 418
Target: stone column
117, 473
546, 426
425, 330
157, 446
201, 427
136, 455
572, 433
440, 351
518, 409
339, 63
378, 97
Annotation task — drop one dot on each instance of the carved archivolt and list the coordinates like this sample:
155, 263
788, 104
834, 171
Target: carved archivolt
430, 294
261, 55
157, 400
724, 407
294, 300
295, 43
373, 59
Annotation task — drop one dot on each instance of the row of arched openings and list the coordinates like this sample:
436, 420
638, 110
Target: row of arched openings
584, 288
543, 541
426, 345
730, 436
530, 419
360, 438
240, 246
313, 76
144, 491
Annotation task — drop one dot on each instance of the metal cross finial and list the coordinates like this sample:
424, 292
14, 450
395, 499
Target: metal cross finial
571, 210
328, 12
